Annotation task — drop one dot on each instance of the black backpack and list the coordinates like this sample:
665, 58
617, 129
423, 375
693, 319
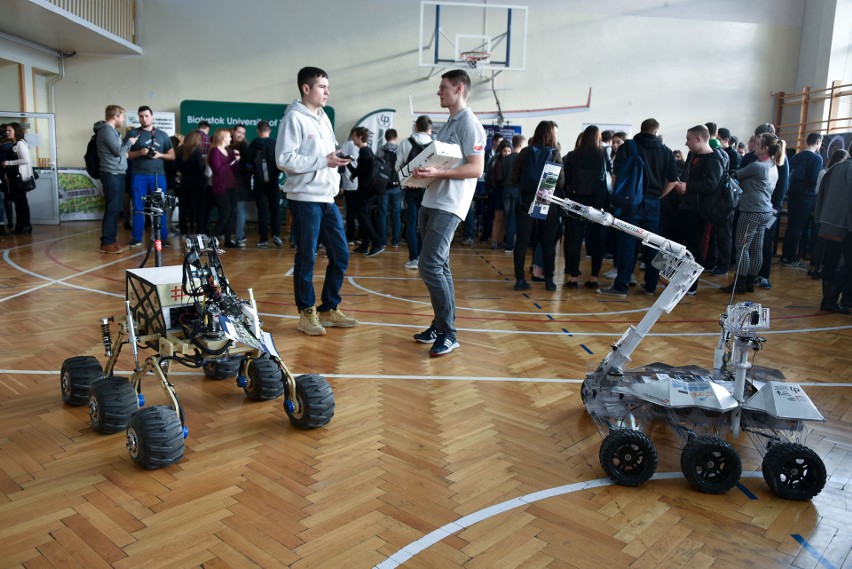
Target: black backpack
380, 175
537, 157
265, 170
416, 148
390, 160
717, 207
93, 162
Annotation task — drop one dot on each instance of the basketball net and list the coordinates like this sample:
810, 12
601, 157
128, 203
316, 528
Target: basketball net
476, 61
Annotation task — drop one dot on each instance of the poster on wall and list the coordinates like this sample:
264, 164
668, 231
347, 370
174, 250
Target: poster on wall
225, 114
80, 196
164, 121
508, 131
377, 122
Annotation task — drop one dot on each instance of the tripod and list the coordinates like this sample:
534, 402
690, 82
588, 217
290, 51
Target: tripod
156, 205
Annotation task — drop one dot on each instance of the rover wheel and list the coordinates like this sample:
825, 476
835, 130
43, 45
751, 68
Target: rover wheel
155, 437
628, 457
315, 402
111, 402
76, 377
222, 368
793, 471
710, 464
263, 379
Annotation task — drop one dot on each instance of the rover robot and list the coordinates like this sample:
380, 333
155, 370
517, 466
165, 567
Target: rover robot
701, 406
188, 314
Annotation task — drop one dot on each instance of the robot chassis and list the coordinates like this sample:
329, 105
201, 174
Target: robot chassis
700, 406
191, 315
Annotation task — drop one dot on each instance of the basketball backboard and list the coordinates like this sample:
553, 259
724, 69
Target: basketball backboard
454, 33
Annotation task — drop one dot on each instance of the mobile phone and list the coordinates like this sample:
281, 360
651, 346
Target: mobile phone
343, 156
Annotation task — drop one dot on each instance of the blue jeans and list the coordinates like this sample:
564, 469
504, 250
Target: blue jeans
413, 200
390, 202
240, 223
647, 216
314, 222
113, 186
144, 184
799, 209
437, 228
511, 195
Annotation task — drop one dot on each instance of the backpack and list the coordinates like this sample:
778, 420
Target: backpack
380, 176
390, 161
93, 162
718, 207
265, 173
416, 148
631, 180
537, 157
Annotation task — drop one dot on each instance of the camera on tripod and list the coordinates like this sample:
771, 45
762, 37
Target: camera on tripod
159, 201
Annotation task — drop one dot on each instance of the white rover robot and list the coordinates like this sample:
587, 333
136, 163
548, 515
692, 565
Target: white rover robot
701, 406
191, 315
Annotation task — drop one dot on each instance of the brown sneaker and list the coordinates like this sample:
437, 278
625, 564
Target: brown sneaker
112, 248
309, 324
334, 318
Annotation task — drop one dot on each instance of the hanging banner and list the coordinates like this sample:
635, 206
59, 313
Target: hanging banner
222, 114
377, 122
163, 120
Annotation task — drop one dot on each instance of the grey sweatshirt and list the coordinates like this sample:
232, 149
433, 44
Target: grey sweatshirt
111, 151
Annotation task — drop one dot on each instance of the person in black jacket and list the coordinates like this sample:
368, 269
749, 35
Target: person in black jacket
264, 171
370, 244
193, 184
702, 175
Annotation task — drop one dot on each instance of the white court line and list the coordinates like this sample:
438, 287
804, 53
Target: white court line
500, 311
430, 539
403, 377
570, 332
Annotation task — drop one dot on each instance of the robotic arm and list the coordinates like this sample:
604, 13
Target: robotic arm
674, 261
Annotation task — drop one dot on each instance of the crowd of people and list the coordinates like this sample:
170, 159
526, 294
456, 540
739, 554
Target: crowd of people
491, 189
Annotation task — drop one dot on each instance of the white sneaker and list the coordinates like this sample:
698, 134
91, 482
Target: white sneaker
412, 264
610, 274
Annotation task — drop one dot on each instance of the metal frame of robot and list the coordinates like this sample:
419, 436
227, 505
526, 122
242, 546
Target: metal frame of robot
155, 434
699, 405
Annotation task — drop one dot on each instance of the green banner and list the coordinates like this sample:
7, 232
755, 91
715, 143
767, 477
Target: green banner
223, 114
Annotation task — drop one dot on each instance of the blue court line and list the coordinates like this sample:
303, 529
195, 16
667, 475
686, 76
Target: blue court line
746, 491
549, 316
590, 352
814, 553
537, 305
567, 332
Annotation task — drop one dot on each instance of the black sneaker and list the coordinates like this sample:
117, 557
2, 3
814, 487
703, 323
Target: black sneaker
444, 344
134, 243
427, 336
374, 251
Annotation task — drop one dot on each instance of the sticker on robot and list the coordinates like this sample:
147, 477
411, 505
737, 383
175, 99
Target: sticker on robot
546, 186
440, 155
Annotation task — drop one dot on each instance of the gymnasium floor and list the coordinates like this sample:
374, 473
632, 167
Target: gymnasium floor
482, 458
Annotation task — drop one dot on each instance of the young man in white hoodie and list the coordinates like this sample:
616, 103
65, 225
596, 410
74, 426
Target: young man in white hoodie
306, 151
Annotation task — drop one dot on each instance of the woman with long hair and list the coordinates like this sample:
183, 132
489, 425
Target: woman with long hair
757, 180
498, 227
585, 171
19, 170
224, 162
815, 267
190, 163
532, 231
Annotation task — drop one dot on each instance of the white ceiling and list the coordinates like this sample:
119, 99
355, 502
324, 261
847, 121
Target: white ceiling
44, 24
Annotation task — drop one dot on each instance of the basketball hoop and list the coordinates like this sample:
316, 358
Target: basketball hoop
475, 60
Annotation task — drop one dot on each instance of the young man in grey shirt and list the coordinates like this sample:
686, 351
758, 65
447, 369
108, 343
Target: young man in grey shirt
445, 204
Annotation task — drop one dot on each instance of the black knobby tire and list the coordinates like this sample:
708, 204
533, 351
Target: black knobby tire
155, 437
76, 378
628, 457
264, 379
221, 368
794, 471
710, 464
315, 405
111, 403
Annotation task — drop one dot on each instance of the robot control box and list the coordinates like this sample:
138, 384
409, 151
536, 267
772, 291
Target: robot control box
157, 299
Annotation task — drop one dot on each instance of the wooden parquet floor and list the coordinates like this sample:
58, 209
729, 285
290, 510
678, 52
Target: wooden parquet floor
484, 458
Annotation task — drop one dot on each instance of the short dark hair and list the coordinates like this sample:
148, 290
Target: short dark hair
239, 125
202, 124
457, 76
765, 127
620, 134
390, 134
711, 128
606, 135
497, 136
423, 123
518, 140
814, 138
724, 133
263, 126
144, 108
308, 76
362, 133
649, 126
